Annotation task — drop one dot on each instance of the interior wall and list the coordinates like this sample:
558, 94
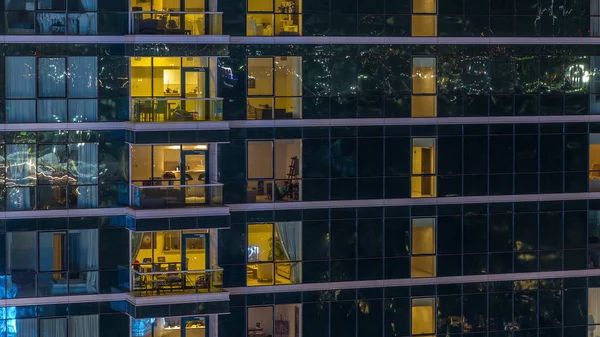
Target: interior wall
197, 256
260, 159
261, 68
141, 165
594, 154
285, 149
262, 315
288, 313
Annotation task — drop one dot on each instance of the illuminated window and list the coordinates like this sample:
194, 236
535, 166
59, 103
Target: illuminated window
423, 320
423, 178
594, 168
424, 87
278, 320
274, 87
173, 89
423, 260
274, 17
274, 253
424, 18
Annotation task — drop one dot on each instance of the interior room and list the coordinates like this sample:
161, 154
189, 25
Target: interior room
594, 155
422, 23
171, 165
423, 179
193, 22
423, 316
275, 87
274, 17
275, 321
170, 251
274, 253
169, 327
172, 88
274, 170
423, 260
424, 87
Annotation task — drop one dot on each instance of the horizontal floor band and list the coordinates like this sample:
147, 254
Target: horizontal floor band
225, 210
200, 126
413, 282
413, 202
137, 301
226, 39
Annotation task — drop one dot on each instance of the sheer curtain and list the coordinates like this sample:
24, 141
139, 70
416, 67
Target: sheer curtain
20, 111
53, 327
20, 172
52, 111
89, 257
84, 326
86, 173
52, 77
83, 81
26, 327
83, 110
20, 83
290, 234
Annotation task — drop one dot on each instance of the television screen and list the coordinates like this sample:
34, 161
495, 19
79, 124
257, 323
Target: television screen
253, 252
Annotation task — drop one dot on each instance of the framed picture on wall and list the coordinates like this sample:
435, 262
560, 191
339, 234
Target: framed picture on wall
146, 241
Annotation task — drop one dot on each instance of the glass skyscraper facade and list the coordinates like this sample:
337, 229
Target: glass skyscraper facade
300, 168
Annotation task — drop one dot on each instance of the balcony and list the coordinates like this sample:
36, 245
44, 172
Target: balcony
160, 196
177, 109
176, 23
177, 282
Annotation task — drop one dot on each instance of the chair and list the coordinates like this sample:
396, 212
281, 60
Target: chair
202, 282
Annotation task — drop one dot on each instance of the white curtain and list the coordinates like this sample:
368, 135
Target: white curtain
290, 234
20, 172
84, 326
83, 23
52, 111
89, 5
83, 110
83, 80
20, 77
26, 327
20, 111
89, 253
86, 173
52, 77
53, 327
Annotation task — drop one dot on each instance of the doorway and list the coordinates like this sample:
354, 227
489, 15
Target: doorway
195, 89
194, 172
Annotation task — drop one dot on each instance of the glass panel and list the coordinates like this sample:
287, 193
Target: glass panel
423, 316
53, 251
20, 111
52, 111
83, 245
260, 6
423, 156
424, 25
288, 320
20, 77
83, 110
261, 108
260, 160
288, 155
594, 155
260, 76
288, 76
423, 106
195, 327
424, 6
55, 327
141, 76
195, 253
141, 165
195, 84
424, 75
52, 164
87, 325
423, 236
52, 80
166, 77
260, 321
167, 164
260, 243
83, 77
83, 167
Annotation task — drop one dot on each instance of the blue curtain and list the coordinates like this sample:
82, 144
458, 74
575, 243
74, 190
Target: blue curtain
84, 168
290, 234
83, 110
20, 111
20, 174
86, 325
20, 77
53, 327
83, 81
52, 111
26, 327
52, 77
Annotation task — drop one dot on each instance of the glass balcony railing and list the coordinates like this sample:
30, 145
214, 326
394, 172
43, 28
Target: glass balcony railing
279, 190
176, 196
177, 282
177, 109
176, 23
